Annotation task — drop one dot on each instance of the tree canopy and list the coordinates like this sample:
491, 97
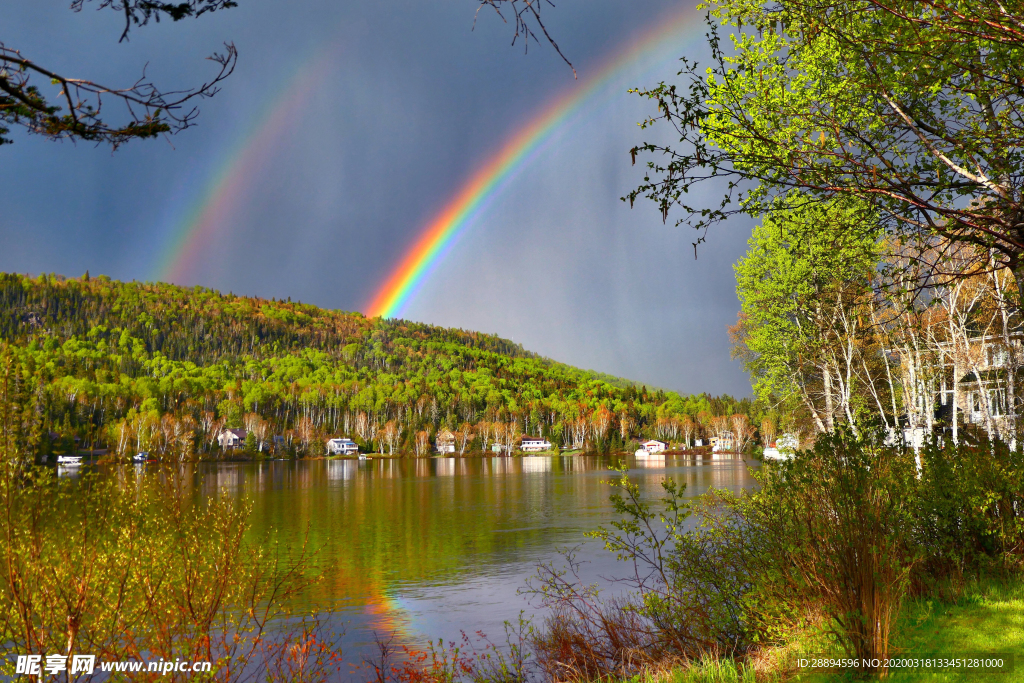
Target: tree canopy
131, 366
912, 107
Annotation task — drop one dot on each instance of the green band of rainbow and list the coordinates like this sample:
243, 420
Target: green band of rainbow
488, 180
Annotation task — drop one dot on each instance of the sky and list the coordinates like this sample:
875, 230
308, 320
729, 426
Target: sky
345, 130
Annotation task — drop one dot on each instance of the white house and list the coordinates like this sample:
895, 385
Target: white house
342, 447
723, 443
654, 446
445, 442
783, 448
231, 438
534, 444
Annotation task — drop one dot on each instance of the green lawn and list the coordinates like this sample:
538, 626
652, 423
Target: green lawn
988, 620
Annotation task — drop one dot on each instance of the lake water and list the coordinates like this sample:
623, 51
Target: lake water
426, 548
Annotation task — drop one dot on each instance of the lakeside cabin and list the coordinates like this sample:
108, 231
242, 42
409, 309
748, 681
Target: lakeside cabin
231, 438
445, 441
725, 442
342, 447
783, 447
534, 444
654, 446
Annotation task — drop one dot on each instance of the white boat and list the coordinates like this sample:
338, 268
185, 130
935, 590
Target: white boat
69, 460
141, 457
641, 453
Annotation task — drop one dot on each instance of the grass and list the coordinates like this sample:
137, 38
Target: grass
987, 618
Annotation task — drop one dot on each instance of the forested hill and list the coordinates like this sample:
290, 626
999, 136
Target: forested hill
144, 366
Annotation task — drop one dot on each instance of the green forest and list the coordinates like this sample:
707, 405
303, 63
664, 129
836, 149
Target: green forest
152, 367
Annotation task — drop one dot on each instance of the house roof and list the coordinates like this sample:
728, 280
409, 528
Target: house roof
654, 441
240, 433
341, 439
534, 438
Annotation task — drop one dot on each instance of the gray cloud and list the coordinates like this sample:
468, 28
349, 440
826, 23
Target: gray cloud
413, 101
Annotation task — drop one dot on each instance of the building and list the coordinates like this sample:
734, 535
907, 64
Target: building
534, 444
445, 441
976, 377
654, 446
783, 447
342, 447
231, 438
725, 442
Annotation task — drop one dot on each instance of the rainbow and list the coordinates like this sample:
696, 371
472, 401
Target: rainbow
195, 233
495, 174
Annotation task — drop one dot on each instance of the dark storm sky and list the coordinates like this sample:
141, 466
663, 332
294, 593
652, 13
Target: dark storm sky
413, 100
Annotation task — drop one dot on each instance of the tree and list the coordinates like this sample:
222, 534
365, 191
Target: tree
803, 287
77, 113
911, 106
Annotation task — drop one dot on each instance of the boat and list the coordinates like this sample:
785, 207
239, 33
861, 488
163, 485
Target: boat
69, 460
141, 457
362, 456
641, 453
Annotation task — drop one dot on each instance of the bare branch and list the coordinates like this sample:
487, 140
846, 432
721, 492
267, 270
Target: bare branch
148, 111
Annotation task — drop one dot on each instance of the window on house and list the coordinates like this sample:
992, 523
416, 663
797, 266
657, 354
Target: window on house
997, 357
997, 401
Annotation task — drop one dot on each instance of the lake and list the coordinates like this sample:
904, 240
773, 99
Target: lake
426, 548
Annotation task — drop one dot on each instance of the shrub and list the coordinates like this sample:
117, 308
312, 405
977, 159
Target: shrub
842, 519
134, 570
972, 505
838, 536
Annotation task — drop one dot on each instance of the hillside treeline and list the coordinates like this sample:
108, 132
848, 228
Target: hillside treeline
135, 367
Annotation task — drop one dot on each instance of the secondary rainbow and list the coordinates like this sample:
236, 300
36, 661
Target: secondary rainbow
493, 176
231, 182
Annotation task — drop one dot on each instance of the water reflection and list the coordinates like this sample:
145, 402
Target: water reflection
426, 547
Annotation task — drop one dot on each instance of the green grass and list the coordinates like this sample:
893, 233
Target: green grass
988, 618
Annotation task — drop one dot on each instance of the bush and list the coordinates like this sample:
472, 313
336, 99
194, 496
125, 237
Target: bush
134, 570
842, 518
972, 505
837, 537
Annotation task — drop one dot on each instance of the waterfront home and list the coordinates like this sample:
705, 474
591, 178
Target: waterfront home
980, 375
342, 447
231, 438
783, 447
725, 442
654, 446
534, 444
445, 441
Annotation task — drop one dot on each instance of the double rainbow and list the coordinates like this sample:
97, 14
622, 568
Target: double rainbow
230, 186
494, 175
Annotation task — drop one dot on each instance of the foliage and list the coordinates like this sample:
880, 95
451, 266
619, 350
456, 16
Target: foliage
802, 286
972, 505
155, 367
844, 516
836, 538
912, 107
131, 568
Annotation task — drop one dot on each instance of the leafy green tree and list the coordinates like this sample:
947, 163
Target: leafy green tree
911, 106
802, 285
